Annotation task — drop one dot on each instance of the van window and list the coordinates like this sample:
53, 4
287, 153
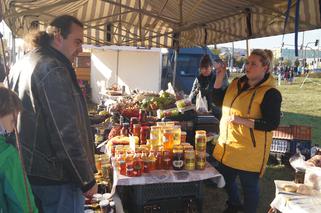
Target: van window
188, 64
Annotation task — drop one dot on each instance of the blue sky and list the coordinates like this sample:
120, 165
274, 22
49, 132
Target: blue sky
276, 41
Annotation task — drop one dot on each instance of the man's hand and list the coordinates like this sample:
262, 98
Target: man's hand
91, 191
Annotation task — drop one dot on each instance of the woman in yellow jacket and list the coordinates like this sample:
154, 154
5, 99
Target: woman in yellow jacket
250, 111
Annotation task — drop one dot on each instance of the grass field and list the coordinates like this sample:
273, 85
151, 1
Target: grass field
300, 106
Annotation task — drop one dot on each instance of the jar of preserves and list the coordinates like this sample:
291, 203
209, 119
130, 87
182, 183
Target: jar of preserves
144, 134
151, 161
200, 160
178, 157
159, 159
200, 141
155, 136
177, 135
167, 160
138, 165
122, 163
168, 139
129, 164
189, 157
145, 161
299, 175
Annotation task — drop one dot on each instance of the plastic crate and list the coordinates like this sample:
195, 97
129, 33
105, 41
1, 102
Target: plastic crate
279, 158
281, 146
301, 132
159, 197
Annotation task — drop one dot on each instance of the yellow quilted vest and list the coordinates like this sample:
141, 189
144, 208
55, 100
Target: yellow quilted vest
241, 147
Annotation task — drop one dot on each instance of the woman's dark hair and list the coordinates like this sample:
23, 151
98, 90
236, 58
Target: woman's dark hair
9, 102
61, 24
206, 61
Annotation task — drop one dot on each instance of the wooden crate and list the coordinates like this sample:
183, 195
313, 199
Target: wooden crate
283, 132
293, 132
301, 132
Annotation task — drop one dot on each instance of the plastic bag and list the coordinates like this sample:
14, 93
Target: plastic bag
170, 89
201, 103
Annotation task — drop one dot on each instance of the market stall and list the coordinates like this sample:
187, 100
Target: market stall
152, 150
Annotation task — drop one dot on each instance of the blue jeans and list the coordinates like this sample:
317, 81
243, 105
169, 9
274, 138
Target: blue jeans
250, 185
59, 198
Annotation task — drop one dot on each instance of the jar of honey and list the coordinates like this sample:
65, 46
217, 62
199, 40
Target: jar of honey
168, 139
200, 160
177, 135
200, 141
152, 161
189, 157
167, 160
178, 157
155, 136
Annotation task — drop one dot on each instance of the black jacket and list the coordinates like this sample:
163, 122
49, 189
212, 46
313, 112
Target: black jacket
54, 128
205, 84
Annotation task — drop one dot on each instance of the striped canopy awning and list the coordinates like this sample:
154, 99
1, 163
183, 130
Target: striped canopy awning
165, 23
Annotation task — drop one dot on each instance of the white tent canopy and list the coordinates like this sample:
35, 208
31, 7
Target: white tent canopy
165, 23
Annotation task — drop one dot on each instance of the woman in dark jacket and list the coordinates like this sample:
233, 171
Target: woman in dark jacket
204, 83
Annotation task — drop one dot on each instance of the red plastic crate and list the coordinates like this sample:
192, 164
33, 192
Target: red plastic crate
283, 132
301, 132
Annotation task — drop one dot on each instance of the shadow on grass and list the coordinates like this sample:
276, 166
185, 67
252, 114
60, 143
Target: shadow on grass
215, 198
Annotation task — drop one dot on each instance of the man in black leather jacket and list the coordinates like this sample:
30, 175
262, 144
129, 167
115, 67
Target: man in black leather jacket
54, 129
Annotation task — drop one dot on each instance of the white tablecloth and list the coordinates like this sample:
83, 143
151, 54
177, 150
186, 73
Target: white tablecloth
294, 203
171, 176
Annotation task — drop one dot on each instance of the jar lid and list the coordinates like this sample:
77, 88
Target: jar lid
168, 130
200, 132
155, 127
